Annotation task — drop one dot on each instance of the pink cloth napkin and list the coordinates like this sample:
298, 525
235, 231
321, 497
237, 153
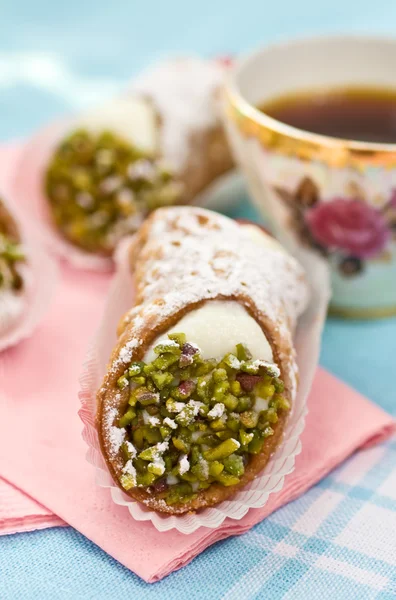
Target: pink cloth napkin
43, 455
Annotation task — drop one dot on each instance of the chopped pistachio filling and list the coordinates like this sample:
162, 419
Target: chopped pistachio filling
191, 422
100, 188
11, 255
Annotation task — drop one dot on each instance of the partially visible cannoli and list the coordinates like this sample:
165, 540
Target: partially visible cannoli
12, 257
159, 144
202, 379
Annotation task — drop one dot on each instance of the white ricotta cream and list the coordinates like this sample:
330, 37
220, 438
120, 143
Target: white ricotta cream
216, 328
131, 118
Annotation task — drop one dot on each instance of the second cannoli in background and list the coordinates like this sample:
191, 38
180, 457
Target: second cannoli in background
160, 143
13, 265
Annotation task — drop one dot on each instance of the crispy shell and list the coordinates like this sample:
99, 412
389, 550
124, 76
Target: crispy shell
156, 311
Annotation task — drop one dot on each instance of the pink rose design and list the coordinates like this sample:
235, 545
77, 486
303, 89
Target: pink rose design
349, 225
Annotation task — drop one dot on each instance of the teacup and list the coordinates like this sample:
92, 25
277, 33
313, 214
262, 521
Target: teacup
331, 196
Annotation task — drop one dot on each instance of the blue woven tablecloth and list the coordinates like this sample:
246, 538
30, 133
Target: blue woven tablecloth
338, 541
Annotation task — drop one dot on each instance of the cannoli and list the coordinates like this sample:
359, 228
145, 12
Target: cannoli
161, 143
204, 374
12, 258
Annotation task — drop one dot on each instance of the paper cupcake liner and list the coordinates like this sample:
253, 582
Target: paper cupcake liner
271, 480
26, 189
39, 275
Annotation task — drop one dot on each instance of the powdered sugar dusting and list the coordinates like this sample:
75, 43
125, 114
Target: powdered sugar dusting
271, 367
184, 464
116, 434
170, 423
126, 352
178, 265
183, 92
217, 411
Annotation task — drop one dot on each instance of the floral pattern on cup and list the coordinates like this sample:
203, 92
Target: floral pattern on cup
349, 228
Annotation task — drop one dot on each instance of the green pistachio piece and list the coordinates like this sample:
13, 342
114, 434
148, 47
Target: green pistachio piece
127, 418
245, 437
145, 479
249, 367
230, 402
135, 369
235, 388
164, 361
138, 380
152, 434
271, 415
127, 481
234, 464
219, 375
138, 438
243, 352
265, 390
227, 479
215, 468
219, 390
122, 382
179, 338
249, 419
181, 444
168, 348
279, 385
256, 444
222, 450
161, 379
225, 435
233, 422
244, 403
281, 402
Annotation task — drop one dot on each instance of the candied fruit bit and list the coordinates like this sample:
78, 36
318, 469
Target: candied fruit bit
248, 382
188, 353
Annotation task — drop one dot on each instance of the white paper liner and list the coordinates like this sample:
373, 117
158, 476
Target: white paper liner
39, 276
255, 494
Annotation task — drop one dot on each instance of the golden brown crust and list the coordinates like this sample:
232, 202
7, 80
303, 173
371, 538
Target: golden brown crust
209, 158
140, 327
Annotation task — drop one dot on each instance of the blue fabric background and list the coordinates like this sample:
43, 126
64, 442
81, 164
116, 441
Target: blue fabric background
59, 56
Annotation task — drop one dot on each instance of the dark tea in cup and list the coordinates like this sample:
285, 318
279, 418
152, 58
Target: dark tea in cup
366, 114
